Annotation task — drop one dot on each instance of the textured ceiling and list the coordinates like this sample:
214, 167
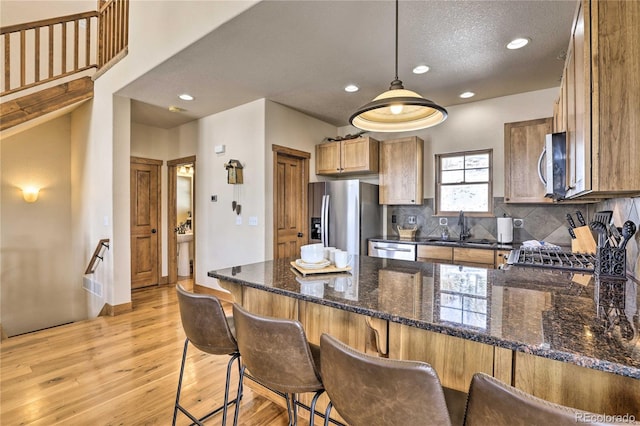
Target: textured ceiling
302, 54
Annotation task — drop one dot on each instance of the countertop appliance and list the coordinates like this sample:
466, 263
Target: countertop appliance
552, 258
344, 214
552, 165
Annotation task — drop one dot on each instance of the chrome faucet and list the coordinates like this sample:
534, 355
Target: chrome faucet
464, 231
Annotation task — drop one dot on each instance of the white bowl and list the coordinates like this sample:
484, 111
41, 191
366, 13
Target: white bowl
312, 253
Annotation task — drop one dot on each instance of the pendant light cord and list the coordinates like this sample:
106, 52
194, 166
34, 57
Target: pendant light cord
396, 39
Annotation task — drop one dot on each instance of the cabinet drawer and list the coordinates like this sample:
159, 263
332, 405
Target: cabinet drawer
435, 252
473, 255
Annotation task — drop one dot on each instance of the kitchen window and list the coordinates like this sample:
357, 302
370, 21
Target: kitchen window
464, 183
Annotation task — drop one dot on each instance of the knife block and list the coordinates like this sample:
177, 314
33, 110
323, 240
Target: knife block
584, 241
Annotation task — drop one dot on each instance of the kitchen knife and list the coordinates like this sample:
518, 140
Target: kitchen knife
570, 220
580, 218
572, 233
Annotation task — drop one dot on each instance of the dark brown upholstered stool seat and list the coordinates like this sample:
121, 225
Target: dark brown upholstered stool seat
494, 403
368, 390
278, 356
208, 329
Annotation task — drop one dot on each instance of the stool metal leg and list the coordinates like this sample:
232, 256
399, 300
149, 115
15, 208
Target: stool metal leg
327, 413
226, 403
313, 407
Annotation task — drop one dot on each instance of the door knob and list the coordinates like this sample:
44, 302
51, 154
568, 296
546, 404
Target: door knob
153, 231
300, 235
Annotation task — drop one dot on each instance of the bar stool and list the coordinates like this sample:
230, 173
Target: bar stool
496, 403
208, 329
367, 390
278, 356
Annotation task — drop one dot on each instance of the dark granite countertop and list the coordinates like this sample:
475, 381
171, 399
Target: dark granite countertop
549, 313
469, 243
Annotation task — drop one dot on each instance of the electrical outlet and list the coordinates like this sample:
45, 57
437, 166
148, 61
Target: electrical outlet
518, 223
214, 198
394, 218
411, 220
444, 221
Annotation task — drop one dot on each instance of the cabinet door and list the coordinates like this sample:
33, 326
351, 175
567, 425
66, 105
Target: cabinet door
360, 155
523, 144
328, 158
401, 171
616, 96
578, 109
437, 253
473, 257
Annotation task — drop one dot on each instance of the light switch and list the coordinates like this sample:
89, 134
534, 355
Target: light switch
253, 221
238, 220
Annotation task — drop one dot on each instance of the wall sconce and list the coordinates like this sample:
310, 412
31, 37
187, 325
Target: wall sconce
30, 194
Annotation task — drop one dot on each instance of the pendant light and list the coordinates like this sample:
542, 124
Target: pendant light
398, 109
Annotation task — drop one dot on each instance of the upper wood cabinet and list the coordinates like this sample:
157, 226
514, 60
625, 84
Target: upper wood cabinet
351, 156
600, 97
523, 144
401, 171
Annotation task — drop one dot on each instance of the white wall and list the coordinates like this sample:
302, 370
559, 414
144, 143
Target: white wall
476, 125
220, 241
38, 288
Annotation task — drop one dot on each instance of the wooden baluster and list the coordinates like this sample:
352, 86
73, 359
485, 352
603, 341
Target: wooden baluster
76, 44
51, 51
37, 53
64, 48
88, 41
22, 57
7, 62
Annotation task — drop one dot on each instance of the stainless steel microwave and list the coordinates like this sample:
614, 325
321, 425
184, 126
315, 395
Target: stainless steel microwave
552, 165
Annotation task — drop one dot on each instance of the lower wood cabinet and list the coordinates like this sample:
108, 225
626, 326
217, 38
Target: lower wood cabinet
482, 258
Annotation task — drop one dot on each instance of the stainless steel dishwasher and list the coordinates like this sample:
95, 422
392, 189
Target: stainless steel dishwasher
390, 250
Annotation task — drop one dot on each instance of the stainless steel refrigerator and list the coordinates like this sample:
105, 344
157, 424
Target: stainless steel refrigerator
344, 214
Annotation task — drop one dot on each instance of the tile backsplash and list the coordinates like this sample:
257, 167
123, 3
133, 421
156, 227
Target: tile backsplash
544, 222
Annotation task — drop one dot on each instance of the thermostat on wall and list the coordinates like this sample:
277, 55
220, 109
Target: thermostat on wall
219, 149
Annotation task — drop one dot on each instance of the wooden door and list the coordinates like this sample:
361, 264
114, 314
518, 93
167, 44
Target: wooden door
145, 218
291, 180
523, 144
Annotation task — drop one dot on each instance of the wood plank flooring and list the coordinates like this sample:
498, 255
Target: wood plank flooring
119, 370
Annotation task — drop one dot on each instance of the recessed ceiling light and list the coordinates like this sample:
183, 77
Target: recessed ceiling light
420, 69
351, 88
465, 95
517, 43
186, 97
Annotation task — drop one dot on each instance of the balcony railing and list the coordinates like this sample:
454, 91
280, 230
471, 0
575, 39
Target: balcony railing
42, 51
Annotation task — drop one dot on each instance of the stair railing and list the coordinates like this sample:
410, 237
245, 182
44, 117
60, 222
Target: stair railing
42, 51
98, 254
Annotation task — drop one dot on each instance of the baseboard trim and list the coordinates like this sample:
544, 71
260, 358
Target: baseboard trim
2, 335
163, 280
112, 311
220, 294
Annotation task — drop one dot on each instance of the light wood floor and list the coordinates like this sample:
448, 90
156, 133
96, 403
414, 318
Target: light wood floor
119, 370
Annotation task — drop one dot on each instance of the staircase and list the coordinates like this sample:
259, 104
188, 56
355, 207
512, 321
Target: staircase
51, 64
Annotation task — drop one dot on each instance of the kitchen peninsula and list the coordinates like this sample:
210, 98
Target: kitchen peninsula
564, 337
